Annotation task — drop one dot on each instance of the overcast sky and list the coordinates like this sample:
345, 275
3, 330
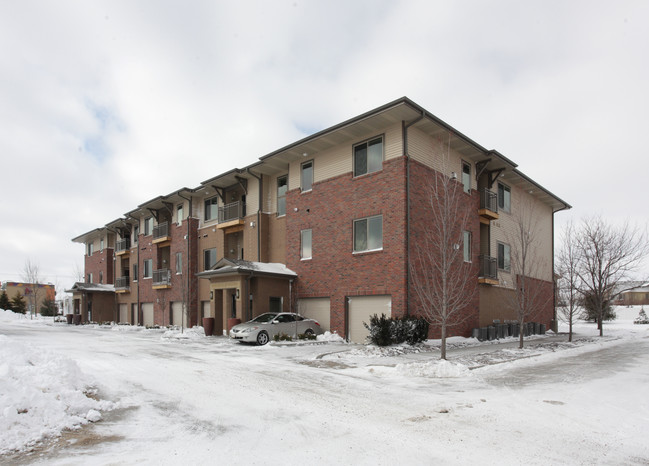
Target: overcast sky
105, 105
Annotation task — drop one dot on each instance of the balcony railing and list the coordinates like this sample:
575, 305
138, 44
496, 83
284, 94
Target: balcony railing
232, 211
161, 231
488, 268
489, 200
123, 245
162, 277
123, 283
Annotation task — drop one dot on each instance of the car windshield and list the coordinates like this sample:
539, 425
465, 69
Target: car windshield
264, 317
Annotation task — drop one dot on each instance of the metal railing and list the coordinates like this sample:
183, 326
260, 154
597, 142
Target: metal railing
488, 267
489, 200
161, 230
232, 211
123, 283
123, 245
162, 277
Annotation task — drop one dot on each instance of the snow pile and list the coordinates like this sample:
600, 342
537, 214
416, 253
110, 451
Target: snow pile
331, 337
11, 316
193, 333
41, 395
438, 369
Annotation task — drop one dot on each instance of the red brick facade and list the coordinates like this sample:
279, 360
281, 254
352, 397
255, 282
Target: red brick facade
101, 262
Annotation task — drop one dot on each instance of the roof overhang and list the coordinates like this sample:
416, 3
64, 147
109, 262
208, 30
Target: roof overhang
234, 267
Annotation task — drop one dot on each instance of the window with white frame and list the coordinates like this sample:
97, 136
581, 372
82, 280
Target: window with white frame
136, 233
211, 208
307, 176
90, 247
209, 258
148, 268
101, 277
504, 197
466, 177
101, 245
368, 234
305, 244
179, 214
179, 263
504, 257
134, 272
282, 187
368, 156
90, 278
148, 226
466, 240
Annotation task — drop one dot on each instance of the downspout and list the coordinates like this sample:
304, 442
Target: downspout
186, 298
404, 129
260, 186
138, 272
554, 282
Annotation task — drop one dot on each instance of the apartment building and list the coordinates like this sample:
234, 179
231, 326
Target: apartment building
326, 226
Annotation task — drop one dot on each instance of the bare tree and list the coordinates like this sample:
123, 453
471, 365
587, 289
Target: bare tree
31, 276
77, 273
443, 281
607, 257
530, 296
568, 279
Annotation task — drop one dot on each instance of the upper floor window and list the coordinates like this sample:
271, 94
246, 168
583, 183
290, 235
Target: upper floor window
90, 278
101, 245
504, 197
307, 176
368, 156
211, 208
91, 248
179, 263
305, 244
504, 257
466, 240
282, 187
368, 234
148, 226
134, 272
179, 214
209, 258
136, 233
148, 268
101, 277
466, 177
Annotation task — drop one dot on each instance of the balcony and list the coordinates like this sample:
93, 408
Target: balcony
161, 233
123, 247
231, 215
488, 206
161, 279
488, 270
123, 284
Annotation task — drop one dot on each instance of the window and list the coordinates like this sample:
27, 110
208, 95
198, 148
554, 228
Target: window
209, 258
466, 239
179, 263
148, 268
282, 186
368, 234
307, 176
136, 233
179, 214
90, 249
466, 177
101, 277
504, 197
211, 208
134, 272
504, 262
89, 278
305, 244
368, 157
148, 226
101, 245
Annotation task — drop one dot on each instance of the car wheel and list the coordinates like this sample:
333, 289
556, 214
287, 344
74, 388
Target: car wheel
308, 332
262, 338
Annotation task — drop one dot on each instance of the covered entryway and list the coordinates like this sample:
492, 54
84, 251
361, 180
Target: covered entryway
318, 309
360, 309
147, 314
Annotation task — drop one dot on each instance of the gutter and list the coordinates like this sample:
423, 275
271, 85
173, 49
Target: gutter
554, 282
260, 189
186, 298
138, 269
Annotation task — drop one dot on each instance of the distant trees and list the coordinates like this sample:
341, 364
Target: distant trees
31, 275
48, 308
18, 304
5, 302
604, 257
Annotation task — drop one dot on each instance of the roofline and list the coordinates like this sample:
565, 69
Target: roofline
566, 206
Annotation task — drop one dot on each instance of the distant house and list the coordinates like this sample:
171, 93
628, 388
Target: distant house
638, 295
27, 290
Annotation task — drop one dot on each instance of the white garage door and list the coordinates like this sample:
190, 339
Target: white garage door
177, 314
147, 314
318, 309
123, 313
360, 309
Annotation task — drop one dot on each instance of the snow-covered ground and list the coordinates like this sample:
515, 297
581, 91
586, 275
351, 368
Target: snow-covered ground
123, 395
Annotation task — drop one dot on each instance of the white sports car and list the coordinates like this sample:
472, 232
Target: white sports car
264, 327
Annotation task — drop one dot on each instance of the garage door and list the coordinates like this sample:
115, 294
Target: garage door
123, 313
360, 309
318, 309
147, 314
177, 314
